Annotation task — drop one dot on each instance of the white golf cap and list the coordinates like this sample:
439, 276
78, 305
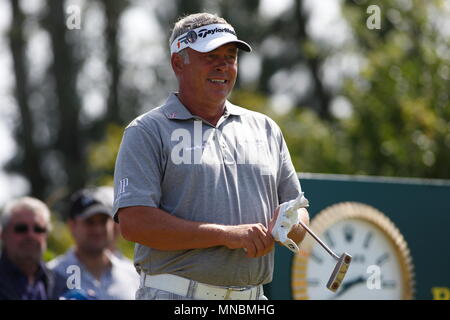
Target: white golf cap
208, 38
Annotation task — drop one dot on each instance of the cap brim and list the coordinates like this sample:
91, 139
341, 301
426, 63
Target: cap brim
95, 209
215, 43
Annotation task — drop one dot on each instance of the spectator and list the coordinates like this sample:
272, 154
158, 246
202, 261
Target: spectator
25, 225
90, 265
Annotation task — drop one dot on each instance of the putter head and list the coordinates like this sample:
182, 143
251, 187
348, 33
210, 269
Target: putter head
339, 272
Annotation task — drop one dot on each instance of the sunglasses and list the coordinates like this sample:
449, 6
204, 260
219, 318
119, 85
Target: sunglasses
22, 228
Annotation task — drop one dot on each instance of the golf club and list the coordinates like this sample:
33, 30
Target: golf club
343, 262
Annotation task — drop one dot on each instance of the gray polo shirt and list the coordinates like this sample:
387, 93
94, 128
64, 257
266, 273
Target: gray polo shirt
236, 172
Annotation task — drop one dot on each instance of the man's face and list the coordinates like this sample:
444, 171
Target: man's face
93, 234
25, 236
210, 75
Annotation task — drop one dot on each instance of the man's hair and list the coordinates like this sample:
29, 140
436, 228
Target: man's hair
28, 203
194, 21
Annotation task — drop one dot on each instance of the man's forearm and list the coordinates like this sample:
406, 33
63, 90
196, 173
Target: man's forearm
160, 230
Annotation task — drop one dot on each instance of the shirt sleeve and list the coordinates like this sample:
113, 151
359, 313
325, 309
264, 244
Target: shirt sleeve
138, 170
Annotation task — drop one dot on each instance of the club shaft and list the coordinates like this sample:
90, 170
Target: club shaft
319, 241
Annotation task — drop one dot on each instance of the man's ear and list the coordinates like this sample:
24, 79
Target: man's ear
177, 63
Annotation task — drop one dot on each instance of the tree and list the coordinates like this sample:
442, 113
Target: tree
53, 134
401, 120
28, 159
70, 139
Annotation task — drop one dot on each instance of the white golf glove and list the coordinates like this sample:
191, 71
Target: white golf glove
288, 216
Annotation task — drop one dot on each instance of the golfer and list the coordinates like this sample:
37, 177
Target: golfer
198, 179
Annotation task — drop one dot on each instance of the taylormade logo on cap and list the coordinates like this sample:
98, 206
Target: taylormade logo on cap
204, 32
207, 38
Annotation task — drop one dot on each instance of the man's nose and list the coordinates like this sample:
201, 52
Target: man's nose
99, 227
221, 65
31, 234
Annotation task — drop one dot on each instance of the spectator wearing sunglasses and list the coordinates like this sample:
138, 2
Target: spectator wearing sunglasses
101, 273
25, 223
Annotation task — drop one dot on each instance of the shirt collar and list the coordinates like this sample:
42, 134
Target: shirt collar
175, 110
233, 109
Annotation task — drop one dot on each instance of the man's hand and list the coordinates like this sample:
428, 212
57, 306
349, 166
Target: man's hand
255, 239
298, 233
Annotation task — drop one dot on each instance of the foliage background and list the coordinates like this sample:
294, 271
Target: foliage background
350, 100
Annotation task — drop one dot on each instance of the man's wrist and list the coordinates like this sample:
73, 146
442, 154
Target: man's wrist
217, 233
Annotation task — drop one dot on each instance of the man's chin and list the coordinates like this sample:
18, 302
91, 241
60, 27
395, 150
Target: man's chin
29, 257
29, 250
218, 95
94, 251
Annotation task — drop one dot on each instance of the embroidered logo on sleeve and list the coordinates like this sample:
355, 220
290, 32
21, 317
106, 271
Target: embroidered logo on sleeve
122, 186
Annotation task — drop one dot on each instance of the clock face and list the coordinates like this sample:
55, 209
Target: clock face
379, 268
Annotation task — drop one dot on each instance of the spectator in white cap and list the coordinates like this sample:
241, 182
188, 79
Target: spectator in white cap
90, 265
198, 179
